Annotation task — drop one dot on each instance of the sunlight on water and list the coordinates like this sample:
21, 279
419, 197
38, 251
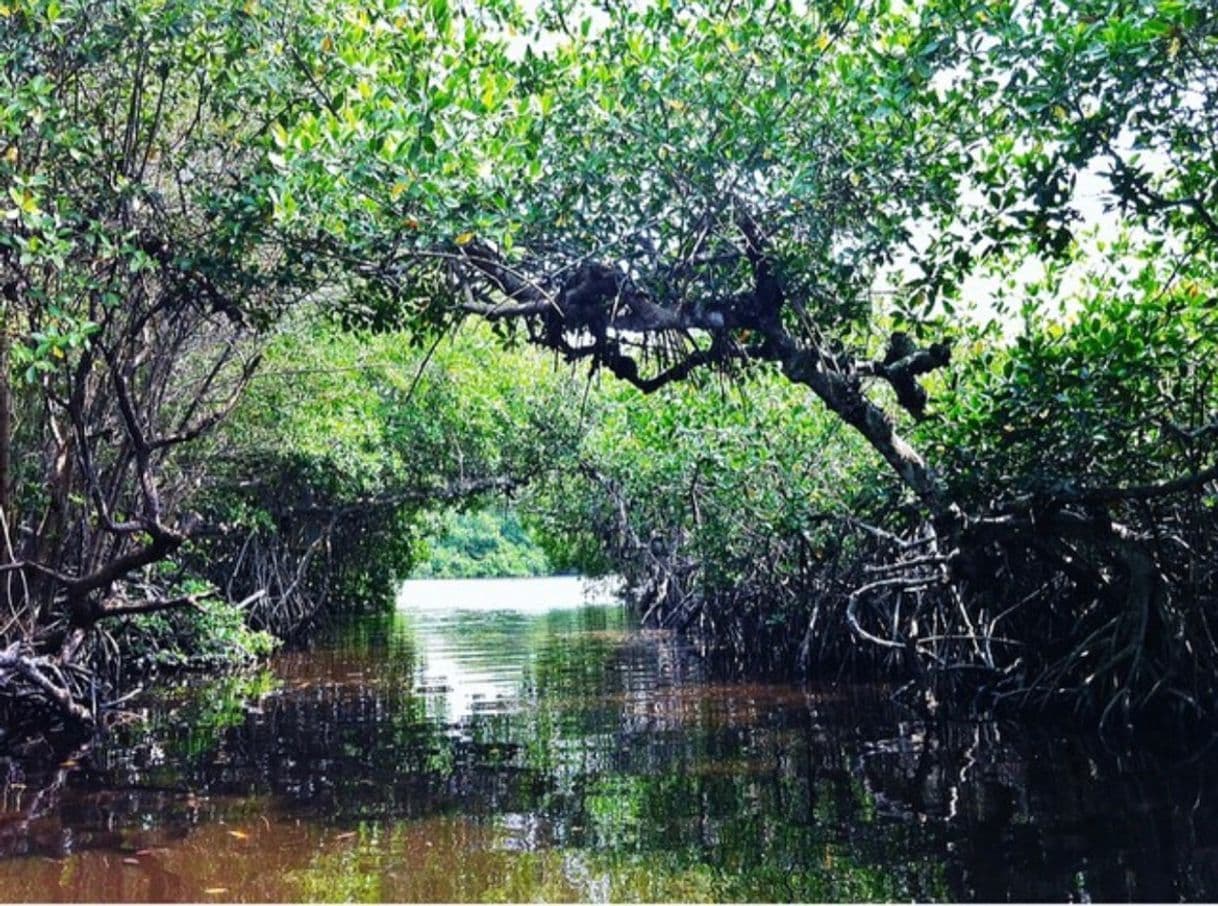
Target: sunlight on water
526, 595
476, 637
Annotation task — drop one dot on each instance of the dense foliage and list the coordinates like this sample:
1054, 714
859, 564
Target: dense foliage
325, 474
729, 509
137, 267
801, 201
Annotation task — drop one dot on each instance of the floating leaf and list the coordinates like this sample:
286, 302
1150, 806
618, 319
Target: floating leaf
240, 835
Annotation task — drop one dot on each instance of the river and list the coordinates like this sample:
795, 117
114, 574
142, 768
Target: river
524, 740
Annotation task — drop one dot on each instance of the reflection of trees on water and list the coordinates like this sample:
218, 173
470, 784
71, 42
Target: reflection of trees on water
1049, 816
624, 765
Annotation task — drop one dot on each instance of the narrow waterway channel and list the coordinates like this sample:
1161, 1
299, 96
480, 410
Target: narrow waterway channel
522, 740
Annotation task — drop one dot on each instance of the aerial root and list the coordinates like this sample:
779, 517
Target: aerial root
23, 673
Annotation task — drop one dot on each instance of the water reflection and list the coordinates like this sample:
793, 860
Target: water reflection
556, 752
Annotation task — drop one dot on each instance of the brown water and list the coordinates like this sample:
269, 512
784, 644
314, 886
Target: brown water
556, 752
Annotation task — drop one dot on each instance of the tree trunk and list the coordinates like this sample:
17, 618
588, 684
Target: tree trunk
6, 424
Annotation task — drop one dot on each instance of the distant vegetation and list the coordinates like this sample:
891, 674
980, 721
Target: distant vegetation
480, 544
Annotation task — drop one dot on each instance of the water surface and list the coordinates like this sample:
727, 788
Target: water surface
510, 741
